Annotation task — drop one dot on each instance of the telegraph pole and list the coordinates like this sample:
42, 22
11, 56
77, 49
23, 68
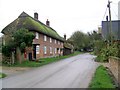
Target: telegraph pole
110, 25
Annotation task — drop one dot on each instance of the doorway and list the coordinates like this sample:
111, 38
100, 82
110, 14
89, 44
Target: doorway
34, 51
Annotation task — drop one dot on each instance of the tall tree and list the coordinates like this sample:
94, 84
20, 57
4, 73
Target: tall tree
79, 40
22, 39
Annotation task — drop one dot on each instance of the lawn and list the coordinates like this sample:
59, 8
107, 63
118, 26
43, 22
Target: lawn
43, 61
2, 75
101, 79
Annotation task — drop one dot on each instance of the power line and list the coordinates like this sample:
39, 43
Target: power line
115, 3
104, 14
114, 12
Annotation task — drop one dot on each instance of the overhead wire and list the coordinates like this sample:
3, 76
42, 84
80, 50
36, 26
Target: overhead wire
104, 14
115, 12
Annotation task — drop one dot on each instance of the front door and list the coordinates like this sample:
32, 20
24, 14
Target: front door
30, 56
34, 51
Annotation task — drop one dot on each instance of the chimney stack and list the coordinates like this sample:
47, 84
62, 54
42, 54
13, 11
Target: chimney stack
36, 15
47, 23
65, 36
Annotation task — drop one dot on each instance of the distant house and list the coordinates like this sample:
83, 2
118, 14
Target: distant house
47, 42
115, 29
68, 48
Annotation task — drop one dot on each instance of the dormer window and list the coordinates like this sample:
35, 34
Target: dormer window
58, 42
50, 40
55, 41
36, 35
45, 38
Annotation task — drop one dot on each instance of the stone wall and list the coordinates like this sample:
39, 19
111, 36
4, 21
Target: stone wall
114, 65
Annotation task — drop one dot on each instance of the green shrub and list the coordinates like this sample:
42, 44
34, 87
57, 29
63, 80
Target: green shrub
110, 50
103, 56
98, 45
6, 50
2, 75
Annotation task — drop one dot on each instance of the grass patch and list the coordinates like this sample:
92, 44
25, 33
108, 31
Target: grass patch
44, 61
101, 79
2, 75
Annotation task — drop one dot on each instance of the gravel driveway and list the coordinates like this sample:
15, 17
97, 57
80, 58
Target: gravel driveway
74, 72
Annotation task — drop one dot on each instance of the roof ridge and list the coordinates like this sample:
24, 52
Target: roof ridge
42, 23
23, 14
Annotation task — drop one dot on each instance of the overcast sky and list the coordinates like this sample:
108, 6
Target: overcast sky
65, 16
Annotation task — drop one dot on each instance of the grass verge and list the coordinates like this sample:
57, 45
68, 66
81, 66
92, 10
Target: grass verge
2, 75
43, 61
101, 79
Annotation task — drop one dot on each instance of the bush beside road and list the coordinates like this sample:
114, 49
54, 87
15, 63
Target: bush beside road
2, 75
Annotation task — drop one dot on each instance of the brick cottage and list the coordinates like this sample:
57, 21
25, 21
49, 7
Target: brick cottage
47, 42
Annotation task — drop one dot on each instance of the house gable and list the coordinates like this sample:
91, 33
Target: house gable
32, 24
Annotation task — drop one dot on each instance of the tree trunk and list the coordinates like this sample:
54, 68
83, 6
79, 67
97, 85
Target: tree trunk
22, 56
19, 56
13, 58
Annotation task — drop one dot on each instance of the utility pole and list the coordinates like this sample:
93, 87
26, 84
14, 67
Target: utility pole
107, 28
110, 25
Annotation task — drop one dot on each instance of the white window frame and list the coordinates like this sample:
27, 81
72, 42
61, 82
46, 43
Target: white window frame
36, 35
45, 38
37, 49
50, 40
59, 51
45, 50
58, 42
62, 43
50, 50
55, 41
55, 50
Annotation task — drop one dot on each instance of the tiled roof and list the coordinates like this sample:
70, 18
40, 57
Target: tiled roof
30, 23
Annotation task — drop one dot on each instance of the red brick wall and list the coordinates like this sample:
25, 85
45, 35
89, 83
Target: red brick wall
48, 44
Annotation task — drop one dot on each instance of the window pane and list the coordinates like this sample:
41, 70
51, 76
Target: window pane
55, 50
45, 38
50, 50
37, 49
45, 50
55, 41
37, 35
50, 40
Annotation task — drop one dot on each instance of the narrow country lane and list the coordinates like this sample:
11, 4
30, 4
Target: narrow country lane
74, 72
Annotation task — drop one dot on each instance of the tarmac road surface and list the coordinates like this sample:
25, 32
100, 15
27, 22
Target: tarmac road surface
73, 72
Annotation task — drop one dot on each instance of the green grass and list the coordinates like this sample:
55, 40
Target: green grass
2, 75
28, 63
101, 79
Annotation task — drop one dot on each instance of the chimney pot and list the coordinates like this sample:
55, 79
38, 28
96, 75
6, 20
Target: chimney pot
36, 15
65, 36
48, 23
